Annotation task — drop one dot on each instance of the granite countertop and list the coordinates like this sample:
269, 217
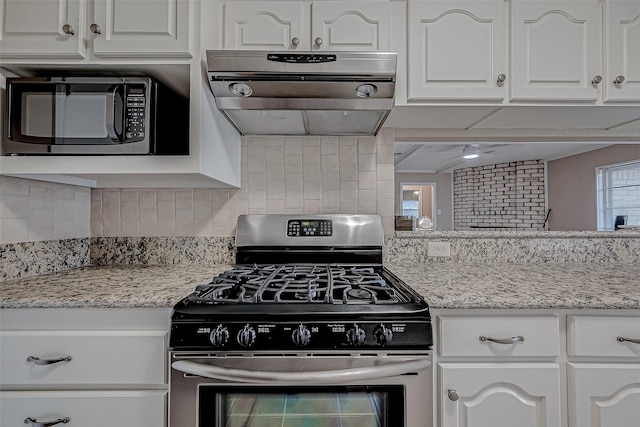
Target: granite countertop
443, 285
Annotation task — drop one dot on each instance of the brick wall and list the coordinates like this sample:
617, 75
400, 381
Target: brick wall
499, 196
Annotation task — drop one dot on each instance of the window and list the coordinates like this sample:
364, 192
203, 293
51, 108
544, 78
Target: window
618, 195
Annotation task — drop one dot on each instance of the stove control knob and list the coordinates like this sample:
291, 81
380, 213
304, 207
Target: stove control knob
356, 336
301, 336
246, 336
219, 336
382, 335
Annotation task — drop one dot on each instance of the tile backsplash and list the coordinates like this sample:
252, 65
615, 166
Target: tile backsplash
294, 175
32, 211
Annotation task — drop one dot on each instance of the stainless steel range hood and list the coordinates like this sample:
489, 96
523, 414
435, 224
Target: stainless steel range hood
303, 93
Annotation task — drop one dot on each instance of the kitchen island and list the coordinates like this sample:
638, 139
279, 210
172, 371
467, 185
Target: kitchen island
443, 285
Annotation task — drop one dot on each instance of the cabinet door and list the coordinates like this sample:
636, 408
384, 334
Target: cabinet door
622, 44
280, 25
604, 395
55, 31
350, 25
140, 28
499, 395
456, 50
84, 408
556, 50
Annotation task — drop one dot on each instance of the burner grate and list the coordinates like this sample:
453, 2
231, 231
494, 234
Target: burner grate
297, 284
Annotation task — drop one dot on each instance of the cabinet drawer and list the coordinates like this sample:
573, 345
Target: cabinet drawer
84, 408
97, 357
461, 335
598, 336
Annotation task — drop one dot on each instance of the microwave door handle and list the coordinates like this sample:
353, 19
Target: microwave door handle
383, 369
111, 115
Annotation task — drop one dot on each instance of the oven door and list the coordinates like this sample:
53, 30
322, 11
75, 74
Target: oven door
293, 390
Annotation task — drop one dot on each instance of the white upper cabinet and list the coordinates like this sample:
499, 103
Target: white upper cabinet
279, 25
304, 26
556, 50
140, 28
622, 48
74, 28
55, 31
350, 25
456, 50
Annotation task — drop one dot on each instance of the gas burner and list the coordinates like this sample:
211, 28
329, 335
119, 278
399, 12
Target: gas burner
328, 284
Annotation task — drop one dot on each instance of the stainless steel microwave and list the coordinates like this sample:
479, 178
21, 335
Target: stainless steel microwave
94, 115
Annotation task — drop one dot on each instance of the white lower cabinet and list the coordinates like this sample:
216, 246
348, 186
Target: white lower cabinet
83, 408
604, 394
499, 370
499, 395
94, 367
537, 368
604, 370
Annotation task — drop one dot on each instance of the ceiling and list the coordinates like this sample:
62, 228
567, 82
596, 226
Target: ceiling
412, 157
430, 139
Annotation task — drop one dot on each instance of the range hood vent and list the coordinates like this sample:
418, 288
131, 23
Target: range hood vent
303, 93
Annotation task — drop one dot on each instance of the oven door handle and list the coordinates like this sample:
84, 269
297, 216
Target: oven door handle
383, 369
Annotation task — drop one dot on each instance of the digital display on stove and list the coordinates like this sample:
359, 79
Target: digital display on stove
309, 227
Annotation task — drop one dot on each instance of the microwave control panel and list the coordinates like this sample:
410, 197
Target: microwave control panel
135, 105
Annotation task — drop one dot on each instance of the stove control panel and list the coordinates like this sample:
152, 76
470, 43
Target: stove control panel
291, 335
309, 227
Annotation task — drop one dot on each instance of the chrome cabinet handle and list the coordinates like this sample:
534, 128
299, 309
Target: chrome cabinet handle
633, 340
318, 41
501, 79
36, 423
453, 395
95, 29
39, 361
295, 41
512, 340
619, 80
68, 29
596, 80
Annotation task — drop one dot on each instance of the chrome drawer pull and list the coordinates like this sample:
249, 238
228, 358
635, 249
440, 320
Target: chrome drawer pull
39, 361
512, 340
633, 340
35, 423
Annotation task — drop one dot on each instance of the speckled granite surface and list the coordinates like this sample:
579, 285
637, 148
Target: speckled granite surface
517, 247
33, 258
445, 285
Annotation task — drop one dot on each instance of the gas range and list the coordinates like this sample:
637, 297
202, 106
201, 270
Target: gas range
304, 283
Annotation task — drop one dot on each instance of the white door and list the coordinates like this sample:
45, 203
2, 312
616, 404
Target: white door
140, 28
350, 25
278, 25
622, 44
456, 50
499, 395
604, 395
556, 50
55, 31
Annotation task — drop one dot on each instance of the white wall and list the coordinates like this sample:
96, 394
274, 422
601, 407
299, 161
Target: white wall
572, 186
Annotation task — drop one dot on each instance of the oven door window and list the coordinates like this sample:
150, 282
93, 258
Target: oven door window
331, 406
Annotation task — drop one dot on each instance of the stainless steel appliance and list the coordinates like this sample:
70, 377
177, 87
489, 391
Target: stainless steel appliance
303, 93
94, 115
309, 325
